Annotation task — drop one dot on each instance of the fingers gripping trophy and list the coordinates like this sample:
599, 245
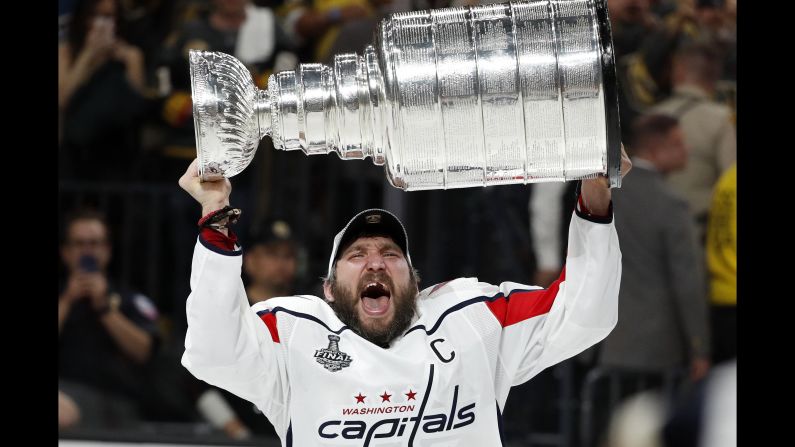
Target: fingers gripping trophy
515, 92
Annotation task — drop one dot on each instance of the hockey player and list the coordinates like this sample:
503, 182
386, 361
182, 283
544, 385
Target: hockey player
376, 361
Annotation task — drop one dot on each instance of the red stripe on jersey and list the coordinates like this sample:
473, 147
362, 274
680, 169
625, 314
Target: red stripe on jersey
220, 240
270, 321
521, 306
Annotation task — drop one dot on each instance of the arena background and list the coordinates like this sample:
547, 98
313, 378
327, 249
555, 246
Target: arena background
121, 151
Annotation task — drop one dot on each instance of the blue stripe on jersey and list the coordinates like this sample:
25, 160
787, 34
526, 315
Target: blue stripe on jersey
464, 304
289, 436
499, 424
422, 408
301, 315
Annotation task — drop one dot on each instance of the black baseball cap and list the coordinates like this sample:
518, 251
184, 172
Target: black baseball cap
371, 221
273, 230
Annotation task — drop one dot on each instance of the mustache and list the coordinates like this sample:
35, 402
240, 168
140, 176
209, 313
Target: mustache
380, 277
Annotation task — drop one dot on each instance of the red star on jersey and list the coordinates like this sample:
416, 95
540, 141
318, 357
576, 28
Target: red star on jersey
385, 397
360, 398
410, 395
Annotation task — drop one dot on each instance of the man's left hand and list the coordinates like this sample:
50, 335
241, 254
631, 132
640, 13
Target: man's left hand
97, 289
596, 192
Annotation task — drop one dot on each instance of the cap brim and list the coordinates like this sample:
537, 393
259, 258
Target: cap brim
371, 221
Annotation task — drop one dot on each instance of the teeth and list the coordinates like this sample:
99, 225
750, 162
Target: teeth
375, 287
375, 284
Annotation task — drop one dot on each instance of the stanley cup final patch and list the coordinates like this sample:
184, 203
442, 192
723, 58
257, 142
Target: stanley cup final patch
331, 357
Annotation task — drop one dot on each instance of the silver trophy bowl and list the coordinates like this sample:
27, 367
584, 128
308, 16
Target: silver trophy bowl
517, 92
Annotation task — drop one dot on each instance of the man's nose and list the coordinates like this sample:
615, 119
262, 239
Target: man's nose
375, 262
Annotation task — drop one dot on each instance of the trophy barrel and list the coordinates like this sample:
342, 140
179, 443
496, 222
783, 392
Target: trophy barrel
498, 94
457, 97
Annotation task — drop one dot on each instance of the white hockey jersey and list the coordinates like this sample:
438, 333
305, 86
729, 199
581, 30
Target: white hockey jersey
444, 382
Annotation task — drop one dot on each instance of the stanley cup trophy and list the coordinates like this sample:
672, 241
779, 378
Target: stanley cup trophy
506, 93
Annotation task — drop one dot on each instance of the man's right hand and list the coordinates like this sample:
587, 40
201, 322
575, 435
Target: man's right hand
76, 288
100, 40
212, 195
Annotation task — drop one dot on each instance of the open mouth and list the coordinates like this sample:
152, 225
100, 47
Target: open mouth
375, 299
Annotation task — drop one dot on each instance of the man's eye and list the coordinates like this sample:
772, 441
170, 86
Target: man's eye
390, 254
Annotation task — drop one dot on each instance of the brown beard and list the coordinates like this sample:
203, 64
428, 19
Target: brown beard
405, 300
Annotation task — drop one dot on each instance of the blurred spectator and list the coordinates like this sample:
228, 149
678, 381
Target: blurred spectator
269, 264
707, 127
215, 406
646, 76
714, 23
662, 320
638, 421
64, 16
237, 27
107, 334
706, 414
631, 21
722, 265
147, 23
101, 79
333, 26
68, 413
661, 8
662, 323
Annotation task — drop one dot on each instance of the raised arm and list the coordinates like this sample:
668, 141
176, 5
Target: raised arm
227, 344
542, 327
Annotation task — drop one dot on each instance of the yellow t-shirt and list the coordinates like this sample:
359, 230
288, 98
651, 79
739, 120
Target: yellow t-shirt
722, 240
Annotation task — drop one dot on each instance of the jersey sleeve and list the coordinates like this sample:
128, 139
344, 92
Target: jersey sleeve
542, 327
227, 344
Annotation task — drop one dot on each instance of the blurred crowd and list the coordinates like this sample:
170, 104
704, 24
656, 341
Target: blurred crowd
126, 120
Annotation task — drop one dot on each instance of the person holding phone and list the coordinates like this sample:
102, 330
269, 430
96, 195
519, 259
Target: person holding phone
102, 94
107, 334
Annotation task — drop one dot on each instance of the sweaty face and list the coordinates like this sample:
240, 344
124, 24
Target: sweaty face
373, 291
